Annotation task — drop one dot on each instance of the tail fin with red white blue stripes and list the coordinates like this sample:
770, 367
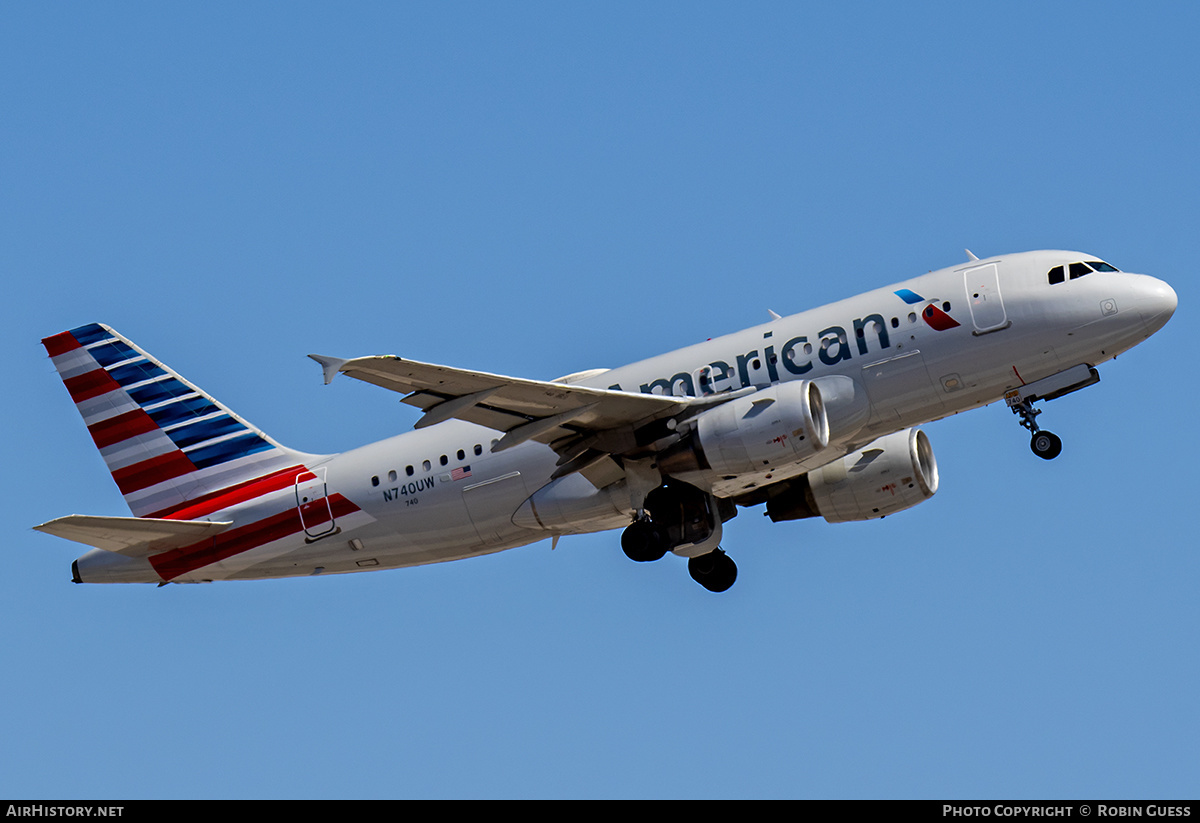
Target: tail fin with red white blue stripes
171, 448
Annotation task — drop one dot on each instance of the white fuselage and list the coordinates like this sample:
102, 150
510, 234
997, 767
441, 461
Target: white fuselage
440, 493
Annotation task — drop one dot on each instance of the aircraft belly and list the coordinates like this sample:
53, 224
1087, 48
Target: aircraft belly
345, 562
996, 368
437, 528
900, 386
446, 516
291, 554
492, 503
370, 548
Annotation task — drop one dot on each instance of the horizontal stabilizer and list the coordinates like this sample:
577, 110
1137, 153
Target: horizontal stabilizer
132, 536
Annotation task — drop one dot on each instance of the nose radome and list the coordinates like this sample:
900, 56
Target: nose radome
1158, 304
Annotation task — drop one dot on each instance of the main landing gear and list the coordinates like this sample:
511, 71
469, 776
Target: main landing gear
714, 571
681, 518
1046, 445
644, 542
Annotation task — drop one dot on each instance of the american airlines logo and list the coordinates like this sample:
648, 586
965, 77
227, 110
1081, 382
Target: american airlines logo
937, 319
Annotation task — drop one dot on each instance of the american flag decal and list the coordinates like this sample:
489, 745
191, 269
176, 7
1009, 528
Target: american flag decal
460, 473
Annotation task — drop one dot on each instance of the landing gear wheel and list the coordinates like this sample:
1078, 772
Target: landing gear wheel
1046, 445
714, 571
643, 541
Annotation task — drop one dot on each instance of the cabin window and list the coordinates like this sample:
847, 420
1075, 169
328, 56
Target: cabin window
427, 465
408, 470
478, 449
375, 480
444, 460
462, 455
392, 476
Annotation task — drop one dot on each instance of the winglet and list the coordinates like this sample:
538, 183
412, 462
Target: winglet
330, 366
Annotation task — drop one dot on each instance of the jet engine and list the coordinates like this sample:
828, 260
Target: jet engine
889, 475
775, 426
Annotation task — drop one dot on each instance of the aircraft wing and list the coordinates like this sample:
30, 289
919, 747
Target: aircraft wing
583, 424
132, 536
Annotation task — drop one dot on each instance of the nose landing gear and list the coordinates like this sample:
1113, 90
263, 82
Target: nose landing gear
1046, 445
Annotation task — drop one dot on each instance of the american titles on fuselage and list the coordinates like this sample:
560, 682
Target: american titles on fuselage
795, 356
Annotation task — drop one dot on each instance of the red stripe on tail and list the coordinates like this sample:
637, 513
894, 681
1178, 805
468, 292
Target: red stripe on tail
121, 427
155, 470
60, 344
90, 384
231, 496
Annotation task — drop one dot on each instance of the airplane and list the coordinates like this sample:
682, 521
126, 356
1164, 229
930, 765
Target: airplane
815, 414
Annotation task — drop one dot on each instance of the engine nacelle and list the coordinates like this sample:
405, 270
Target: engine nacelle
889, 475
772, 427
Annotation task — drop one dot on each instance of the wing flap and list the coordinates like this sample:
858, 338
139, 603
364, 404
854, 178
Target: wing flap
132, 536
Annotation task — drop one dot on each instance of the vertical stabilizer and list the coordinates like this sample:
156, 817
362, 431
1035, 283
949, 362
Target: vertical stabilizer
173, 450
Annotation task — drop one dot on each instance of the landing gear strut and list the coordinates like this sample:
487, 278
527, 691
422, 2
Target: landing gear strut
1046, 445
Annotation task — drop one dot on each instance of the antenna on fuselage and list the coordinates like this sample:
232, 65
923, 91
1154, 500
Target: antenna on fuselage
970, 254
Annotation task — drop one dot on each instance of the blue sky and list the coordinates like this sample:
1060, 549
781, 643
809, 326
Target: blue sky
540, 188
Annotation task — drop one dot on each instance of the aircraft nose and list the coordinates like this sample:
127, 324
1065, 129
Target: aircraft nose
1157, 304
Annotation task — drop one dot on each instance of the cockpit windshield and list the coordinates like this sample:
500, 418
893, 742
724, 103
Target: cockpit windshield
1074, 271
